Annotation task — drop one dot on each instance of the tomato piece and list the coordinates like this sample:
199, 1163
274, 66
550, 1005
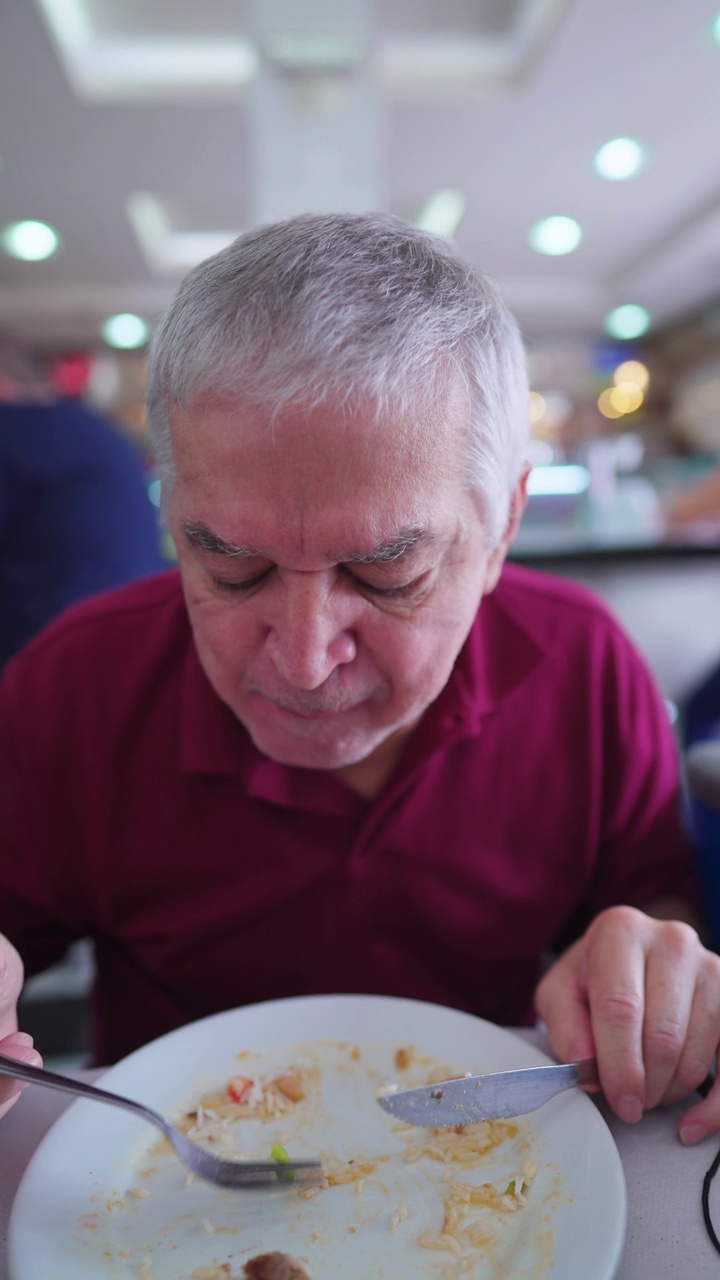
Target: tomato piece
238, 1088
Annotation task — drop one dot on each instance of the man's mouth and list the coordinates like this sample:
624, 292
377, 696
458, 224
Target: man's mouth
309, 715
311, 708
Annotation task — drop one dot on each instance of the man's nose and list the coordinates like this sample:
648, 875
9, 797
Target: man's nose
309, 631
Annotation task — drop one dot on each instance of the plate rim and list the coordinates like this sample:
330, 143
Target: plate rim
106, 1078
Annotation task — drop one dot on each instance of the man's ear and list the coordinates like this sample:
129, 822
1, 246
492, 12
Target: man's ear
496, 560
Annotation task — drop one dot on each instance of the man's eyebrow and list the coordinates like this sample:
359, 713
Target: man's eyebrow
391, 548
200, 536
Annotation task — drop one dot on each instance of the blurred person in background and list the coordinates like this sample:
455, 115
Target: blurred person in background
75, 517
699, 501
698, 504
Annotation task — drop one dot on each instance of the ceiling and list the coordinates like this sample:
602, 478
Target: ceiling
149, 132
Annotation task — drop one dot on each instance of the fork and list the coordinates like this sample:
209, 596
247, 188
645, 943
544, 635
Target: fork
224, 1173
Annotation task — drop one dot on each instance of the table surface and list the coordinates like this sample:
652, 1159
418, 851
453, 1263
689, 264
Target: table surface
666, 1238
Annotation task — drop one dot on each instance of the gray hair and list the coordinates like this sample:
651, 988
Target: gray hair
341, 308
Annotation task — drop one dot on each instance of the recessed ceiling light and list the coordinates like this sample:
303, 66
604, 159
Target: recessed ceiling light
30, 241
618, 159
125, 331
442, 213
555, 236
627, 321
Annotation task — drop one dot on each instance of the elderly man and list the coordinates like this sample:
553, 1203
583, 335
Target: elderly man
346, 749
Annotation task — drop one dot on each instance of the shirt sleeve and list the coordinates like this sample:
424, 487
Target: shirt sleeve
34, 911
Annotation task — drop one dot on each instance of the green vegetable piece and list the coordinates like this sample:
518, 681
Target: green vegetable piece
278, 1152
509, 1190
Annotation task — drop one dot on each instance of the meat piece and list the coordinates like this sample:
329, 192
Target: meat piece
291, 1085
275, 1266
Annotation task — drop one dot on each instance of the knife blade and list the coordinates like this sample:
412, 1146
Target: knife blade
499, 1095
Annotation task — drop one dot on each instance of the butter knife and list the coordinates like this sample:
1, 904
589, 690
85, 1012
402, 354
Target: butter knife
490, 1097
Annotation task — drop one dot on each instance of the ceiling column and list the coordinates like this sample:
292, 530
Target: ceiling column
314, 110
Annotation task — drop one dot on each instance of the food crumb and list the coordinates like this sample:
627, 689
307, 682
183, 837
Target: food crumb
403, 1058
139, 1193
216, 1271
208, 1226
399, 1215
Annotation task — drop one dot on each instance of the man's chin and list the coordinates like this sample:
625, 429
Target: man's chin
312, 754
307, 741
311, 744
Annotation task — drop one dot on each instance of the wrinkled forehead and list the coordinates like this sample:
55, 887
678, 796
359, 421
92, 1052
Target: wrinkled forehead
424, 439
314, 483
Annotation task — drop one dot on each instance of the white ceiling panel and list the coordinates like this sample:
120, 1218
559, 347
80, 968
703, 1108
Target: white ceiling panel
149, 131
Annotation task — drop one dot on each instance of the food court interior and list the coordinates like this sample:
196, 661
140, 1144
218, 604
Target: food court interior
567, 146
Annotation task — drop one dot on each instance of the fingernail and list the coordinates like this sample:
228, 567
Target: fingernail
692, 1133
19, 1037
629, 1108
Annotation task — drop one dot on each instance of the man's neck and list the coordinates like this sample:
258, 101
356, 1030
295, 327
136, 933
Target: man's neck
367, 778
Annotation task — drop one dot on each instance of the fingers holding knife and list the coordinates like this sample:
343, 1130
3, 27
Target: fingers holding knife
643, 996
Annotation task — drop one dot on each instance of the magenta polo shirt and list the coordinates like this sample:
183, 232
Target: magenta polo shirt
538, 789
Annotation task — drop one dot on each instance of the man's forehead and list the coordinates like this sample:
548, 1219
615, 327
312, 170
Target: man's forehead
427, 427
346, 492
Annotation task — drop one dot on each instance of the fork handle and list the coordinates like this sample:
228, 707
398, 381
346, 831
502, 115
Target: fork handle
51, 1080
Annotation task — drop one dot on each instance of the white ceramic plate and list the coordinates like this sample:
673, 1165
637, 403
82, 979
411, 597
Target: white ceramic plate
77, 1217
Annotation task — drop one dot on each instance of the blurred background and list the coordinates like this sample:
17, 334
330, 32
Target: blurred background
570, 147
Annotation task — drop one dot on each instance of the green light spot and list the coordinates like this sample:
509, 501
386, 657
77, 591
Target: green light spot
627, 321
555, 236
30, 241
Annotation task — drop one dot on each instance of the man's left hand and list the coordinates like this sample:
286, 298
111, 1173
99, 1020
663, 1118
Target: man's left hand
642, 996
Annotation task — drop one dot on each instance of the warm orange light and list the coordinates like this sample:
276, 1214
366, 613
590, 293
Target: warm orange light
626, 397
633, 371
606, 406
537, 406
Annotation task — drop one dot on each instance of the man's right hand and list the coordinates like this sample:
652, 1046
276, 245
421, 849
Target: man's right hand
13, 1043
18, 1045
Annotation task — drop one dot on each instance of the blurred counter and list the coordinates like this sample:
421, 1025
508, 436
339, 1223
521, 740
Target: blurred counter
665, 589
613, 515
